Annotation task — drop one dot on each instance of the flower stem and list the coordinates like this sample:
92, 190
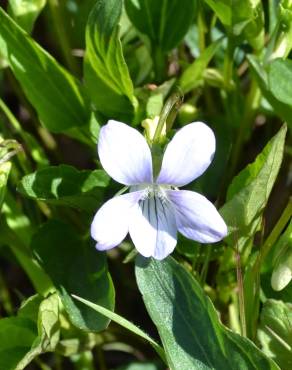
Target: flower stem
159, 64
240, 294
277, 230
56, 12
228, 64
252, 102
168, 114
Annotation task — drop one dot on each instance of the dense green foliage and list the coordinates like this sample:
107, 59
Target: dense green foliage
66, 68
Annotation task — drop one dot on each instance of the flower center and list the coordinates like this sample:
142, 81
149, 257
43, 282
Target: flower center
152, 191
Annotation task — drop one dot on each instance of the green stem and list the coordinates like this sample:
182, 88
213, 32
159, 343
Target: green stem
168, 114
41, 364
57, 18
276, 232
41, 130
205, 267
240, 295
201, 28
14, 122
256, 270
5, 298
228, 64
195, 260
159, 61
101, 359
83, 361
252, 102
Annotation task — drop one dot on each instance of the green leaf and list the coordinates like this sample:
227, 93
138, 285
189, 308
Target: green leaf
36, 150
251, 292
192, 77
188, 323
282, 260
281, 108
122, 322
246, 200
17, 335
75, 267
164, 22
34, 331
248, 20
223, 10
65, 185
48, 323
30, 308
275, 334
280, 80
55, 94
106, 74
48, 327
250, 189
245, 18
155, 101
25, 12
140, 366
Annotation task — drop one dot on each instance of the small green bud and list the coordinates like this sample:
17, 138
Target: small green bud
213, 77
282, 273
187, 113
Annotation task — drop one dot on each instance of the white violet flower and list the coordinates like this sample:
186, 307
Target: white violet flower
154, 209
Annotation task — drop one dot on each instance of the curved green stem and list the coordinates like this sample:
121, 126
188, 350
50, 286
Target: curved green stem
252, 102
168, 114
56, 12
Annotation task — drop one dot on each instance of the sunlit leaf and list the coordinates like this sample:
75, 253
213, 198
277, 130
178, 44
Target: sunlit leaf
25, 12
55, 94
281, 107
123, 322
275, 332
65, 185
106, 73
244, 18
192, 77
282, 261
249, 191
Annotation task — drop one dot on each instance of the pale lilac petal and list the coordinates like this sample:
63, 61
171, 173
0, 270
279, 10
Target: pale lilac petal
153, 228
196, 217
111, 222
124, 154
188, 155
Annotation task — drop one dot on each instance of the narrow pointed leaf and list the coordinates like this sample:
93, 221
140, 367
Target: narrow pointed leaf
25, 12
106, 74
249, 191
55, 94
193, 75
123, 322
